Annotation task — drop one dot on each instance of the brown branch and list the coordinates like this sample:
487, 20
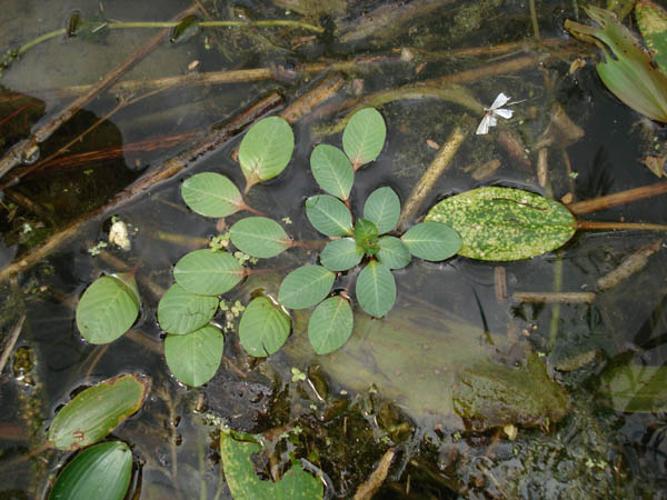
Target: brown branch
554, 297
368, 488
205, 145
304, 105
616, 199
590, 225
28, 147
630, 266
11, 342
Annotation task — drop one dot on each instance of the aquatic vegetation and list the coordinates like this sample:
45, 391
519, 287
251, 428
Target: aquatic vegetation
652, 23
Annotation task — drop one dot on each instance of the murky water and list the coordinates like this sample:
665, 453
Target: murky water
393, 384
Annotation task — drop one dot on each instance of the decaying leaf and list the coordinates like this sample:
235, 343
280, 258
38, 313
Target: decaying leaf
652, 22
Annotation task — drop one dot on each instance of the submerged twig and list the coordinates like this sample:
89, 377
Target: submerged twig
630, 266
554, 297
11, 342
305, 104
616, 199
368, 488
591, 225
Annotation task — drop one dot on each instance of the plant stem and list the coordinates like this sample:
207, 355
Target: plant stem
616, 199
265, 23
533, 18
11, 342
40, 39
589, 225
554, 297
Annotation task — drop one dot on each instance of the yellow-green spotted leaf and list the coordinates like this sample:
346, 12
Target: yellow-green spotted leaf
259, 237
211, 195
206, 272
329, 215
330, 325
383, 208
107, 309
101, 472
393, 253
652, 23
364, 136
332, 170
305, 286
245, 484
194, 358
97, 411
266, 150
432, 241
502, 224
180, 311
376, 289
264, 327
341, 255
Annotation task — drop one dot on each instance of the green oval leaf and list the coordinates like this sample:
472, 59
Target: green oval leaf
383, 208
364, 136
332, 170
107, 309
330, 325
211, 195
101, 472
194, 358
329, 215
259, 237
432, 241
366, 235
97, 411
393, 253
497, 223
180, 311
244, 483
264, 327
305, 286
206, 272
376, 289
266, 150
341, 255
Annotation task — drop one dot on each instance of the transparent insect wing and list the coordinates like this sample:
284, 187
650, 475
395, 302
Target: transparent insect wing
484, 125
500, 101
503, 113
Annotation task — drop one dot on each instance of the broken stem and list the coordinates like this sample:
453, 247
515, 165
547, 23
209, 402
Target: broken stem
11, 342
616, 199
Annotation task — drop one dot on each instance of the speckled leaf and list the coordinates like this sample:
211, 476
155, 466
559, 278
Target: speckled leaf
194, 358
329, 215
206, 272
264, 327
180, 311
376, 289
393, 253
107, 309
432, 241
364, 136
245, 484
497, 223
305, 286
652, 23
383, 208
97, 411
330, 325
259, 237
332, 170
211, 195
266, 150
341, 255
101, 472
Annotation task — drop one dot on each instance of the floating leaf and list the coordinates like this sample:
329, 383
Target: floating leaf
305, 286
97, 411
244, 483
652, 22
180, 311
259, 237
393, 253
432, 241
366, 235
266, 150
376, 289
211, 195
383, 208
206, 272
329, 215
101, 472
364, 136
330, 325
632, 387
497, 223
194, 358
341, 255
264, 327
332, 170
107, 309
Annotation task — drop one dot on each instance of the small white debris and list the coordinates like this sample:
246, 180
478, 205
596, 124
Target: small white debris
492, 113
119, 235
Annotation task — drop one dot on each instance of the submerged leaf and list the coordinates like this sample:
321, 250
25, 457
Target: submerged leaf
364, 136
329, 215
376, 289
180, 311
332, 170
266, 150
305, 286
101, 472
97, 411
432, 241
211, 195
383, 208
330, 325
194, 358
632, 387
341, 255
652, 22
497, 223
259, 237
206, 272
264, 327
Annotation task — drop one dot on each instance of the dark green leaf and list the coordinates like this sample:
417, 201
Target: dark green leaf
332, 170
101, 472
366, 235
305, 286
497, 223
393, 253
259, 237
364, 136
185, 29
180, 311
206, 272
633, 387
194, 358
341, 255
107, 309
329, 215
97, 411
376, 289
264, 327
383, 208
432, 241
211, 195
330, 325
